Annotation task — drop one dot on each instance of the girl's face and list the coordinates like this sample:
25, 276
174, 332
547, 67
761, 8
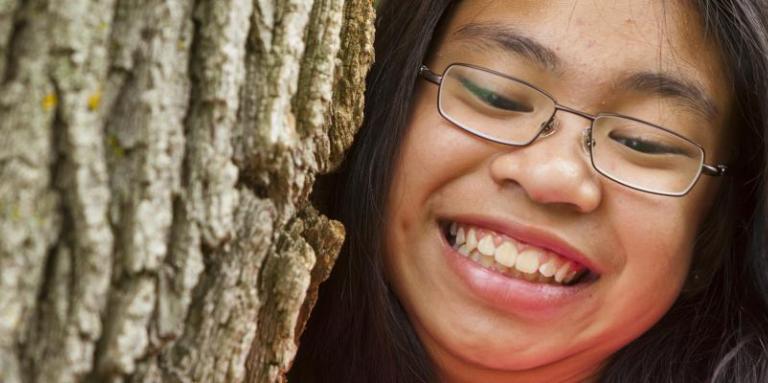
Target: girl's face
543, 206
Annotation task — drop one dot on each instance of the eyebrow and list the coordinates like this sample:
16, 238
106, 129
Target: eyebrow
662, 84
666, 85
508, 38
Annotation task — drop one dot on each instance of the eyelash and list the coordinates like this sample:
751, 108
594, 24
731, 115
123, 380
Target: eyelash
493, 99
645, 146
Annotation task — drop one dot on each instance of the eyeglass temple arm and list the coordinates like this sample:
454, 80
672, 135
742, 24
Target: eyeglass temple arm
429, 75
716, 170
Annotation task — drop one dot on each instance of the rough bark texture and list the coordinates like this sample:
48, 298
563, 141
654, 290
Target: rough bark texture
156, 159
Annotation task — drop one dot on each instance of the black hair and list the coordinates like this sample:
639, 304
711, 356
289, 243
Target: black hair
717, 331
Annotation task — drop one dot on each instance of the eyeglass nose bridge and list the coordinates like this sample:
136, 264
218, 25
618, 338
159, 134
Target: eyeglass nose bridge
549, 127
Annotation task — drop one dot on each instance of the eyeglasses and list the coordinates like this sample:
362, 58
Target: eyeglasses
509, 111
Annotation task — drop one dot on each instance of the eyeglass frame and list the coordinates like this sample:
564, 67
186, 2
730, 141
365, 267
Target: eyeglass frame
546, 129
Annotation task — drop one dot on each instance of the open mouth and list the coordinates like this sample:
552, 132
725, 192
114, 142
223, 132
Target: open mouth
513, 258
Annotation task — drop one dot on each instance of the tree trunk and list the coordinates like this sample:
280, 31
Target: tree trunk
156, 159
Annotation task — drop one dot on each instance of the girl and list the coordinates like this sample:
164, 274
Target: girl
566, 191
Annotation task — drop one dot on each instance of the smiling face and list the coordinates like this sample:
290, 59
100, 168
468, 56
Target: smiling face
551, 267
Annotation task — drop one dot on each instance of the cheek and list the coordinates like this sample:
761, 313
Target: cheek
658, 242
434, 154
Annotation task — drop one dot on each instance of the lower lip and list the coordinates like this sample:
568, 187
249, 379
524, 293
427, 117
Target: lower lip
515, 296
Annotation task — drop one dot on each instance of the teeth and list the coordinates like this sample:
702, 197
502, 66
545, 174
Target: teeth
571, 275
528, 261
485, 246
562, 272
506, 254
532, 264
460, 238
549, 268
471, 239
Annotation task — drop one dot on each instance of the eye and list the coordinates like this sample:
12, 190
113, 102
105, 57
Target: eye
494, 99
646, 145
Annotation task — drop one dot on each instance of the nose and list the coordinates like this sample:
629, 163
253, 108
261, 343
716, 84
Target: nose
553, 170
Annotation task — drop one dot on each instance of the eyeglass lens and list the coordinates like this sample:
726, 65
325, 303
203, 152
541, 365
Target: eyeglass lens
509, 111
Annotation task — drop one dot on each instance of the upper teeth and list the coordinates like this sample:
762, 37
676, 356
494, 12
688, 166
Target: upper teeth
485, 246
513, 257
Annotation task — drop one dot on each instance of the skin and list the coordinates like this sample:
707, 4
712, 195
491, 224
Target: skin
642, 242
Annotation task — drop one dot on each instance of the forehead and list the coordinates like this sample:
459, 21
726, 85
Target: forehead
667, 29
597, 42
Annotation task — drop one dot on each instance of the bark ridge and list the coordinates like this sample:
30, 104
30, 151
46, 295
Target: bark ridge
156, 162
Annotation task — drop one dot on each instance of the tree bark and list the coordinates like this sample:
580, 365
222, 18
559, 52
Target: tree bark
156, 161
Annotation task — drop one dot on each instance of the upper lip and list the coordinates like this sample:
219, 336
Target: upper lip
530, 235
